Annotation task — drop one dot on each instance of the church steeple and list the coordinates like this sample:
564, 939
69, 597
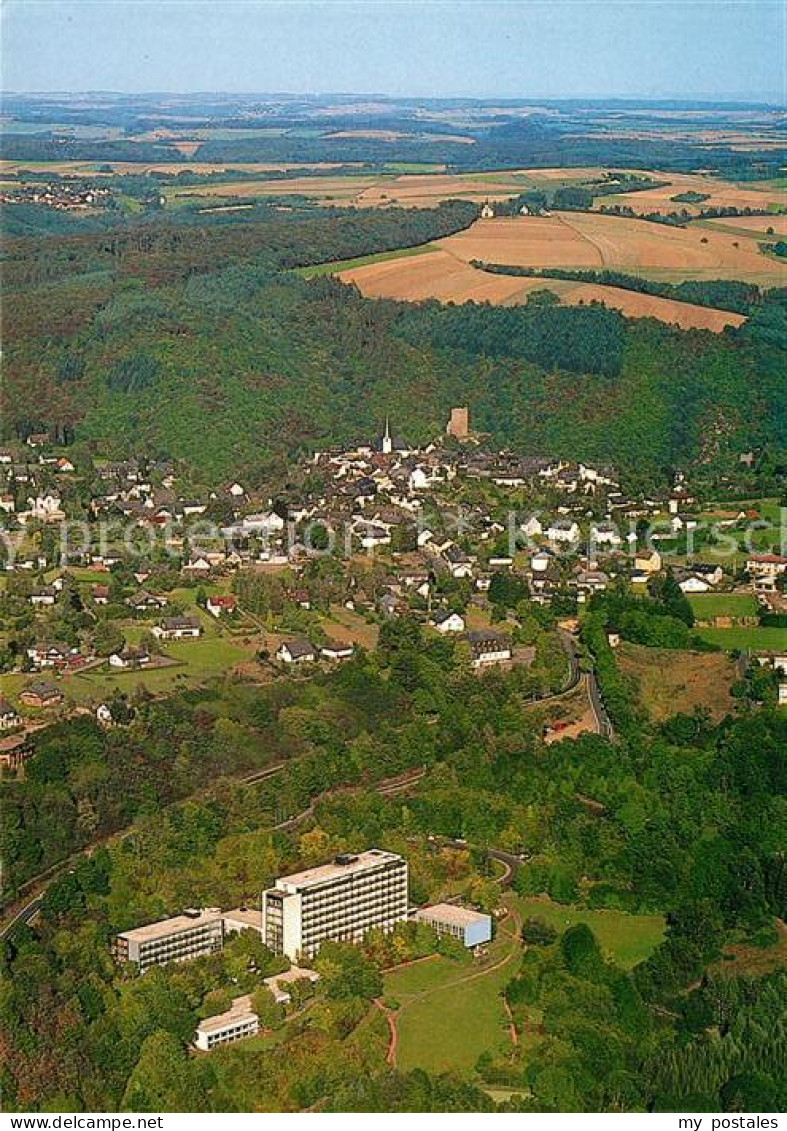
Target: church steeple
387, 445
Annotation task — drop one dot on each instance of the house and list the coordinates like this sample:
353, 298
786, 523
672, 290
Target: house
692, 583
713, 574
100, 594
488, 647
541, 561
647, 561
605, 534
592, 580
236, 490
563, 531
334, 650
532, 527
53, 655
41, 693
104, 715
388, 604
9, 716
487, 211
130, 658
178, 628
47, 595
142, 601
297, 651
7, 504
198, 565
221, 603
765, 570
446, 621
14, 749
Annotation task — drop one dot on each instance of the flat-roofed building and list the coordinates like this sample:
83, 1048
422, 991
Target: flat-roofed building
185, 936
341, 901
278, 983
472, 928
243, 919
237, 1022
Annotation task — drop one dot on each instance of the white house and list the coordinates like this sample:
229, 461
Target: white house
540, 562
178, 628
605, 534
297, 651
563, 531
221, 603
694, 584
336, 651
446, 622
532, 527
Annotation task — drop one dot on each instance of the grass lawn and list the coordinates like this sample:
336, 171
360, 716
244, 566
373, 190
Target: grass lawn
709, 605
450, 1012
758, 639
450, 1027
427, 974
197, 661
346, 264
627, 939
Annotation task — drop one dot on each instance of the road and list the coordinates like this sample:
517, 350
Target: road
597, 706
389, 787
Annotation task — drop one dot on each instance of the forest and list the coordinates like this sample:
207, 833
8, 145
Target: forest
687, 820
129, 338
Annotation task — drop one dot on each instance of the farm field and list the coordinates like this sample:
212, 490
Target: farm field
755, 226
626, 939
319, 269
720, 194
673, 682
447, 278
757, 639
577, 240
709, 605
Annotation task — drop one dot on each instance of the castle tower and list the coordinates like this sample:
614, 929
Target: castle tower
459, 424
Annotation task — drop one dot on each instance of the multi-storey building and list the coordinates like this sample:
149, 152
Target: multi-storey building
339, 901
238, 1022
172, 940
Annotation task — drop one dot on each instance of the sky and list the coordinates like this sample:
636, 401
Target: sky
433, 48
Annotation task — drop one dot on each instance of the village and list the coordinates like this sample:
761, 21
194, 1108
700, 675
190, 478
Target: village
124, 578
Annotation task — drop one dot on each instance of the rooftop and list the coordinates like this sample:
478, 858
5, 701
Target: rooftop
450, 913
342, 866
174, 926
239, 1010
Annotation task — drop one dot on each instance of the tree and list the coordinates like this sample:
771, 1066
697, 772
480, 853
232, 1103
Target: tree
268, 1010
164, 1078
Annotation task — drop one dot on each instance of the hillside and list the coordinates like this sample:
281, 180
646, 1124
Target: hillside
137, 339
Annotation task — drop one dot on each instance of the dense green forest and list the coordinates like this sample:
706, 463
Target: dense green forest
126, 340
687, 819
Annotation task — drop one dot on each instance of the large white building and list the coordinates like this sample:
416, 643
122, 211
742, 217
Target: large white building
341, 901
172, 940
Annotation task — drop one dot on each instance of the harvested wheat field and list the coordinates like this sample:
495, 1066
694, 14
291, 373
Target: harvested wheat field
720, 194
438, 275
435, 275
589, 240
756, 225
